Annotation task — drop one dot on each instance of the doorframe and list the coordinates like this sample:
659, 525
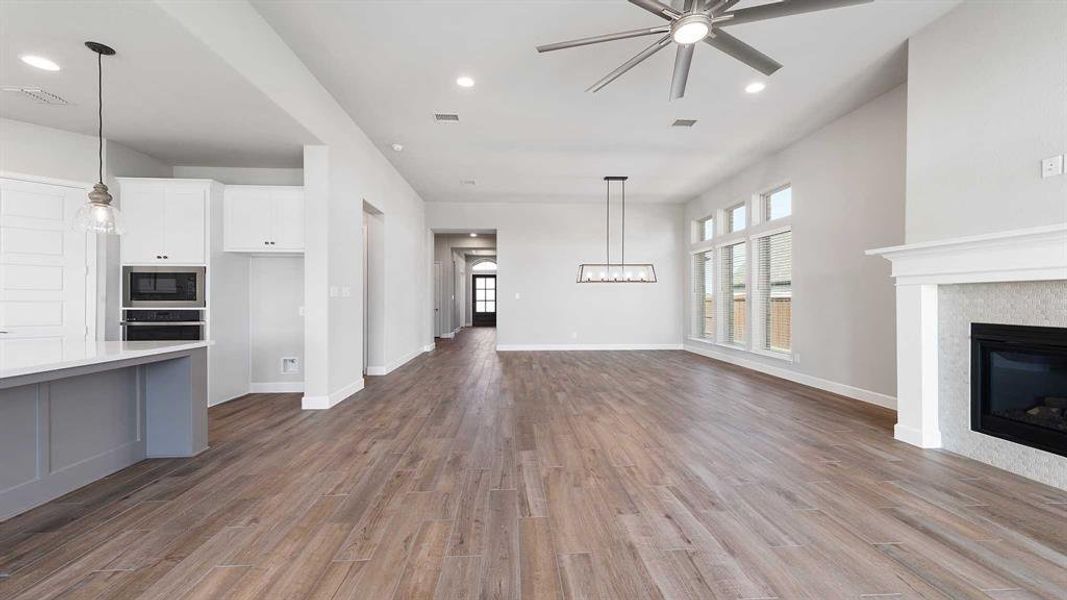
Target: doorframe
92, 250
474, 295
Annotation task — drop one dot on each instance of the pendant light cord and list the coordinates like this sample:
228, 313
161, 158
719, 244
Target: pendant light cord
100, 115
623, 256
607, 236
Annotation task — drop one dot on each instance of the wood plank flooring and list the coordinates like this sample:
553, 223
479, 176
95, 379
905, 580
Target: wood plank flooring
614, 475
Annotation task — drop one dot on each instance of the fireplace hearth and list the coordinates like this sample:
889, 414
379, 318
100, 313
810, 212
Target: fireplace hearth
1019, 384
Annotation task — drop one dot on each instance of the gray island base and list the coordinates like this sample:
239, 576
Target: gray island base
92, 409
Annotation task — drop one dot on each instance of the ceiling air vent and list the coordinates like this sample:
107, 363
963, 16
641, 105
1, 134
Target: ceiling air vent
36, 94
446, 117
684, 123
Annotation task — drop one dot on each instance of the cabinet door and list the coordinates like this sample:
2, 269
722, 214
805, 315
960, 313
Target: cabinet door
184, 210
288, 224
142, 211
248, 219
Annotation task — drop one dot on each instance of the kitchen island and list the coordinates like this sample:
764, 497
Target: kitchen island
72, 412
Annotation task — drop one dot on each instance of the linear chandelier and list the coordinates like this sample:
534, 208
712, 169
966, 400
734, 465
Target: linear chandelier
620, 272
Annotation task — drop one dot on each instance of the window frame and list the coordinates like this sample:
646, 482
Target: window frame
756, 228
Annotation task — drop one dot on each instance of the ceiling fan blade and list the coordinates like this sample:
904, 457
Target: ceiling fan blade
657, 8
688, 5
682, 59
715, 7
608, 37
656, 46
728, 44
784, 8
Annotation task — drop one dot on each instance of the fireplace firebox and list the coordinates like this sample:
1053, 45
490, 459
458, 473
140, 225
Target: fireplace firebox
1019, 384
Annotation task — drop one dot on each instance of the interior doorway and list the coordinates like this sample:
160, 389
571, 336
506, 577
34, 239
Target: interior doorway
483, 307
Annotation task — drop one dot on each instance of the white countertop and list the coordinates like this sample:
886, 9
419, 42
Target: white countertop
52, 355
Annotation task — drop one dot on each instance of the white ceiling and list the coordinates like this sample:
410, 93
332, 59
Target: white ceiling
530, 133
165, 93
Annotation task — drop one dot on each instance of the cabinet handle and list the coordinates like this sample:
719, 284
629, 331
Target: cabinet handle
266, 243
158, 256
165, 256
272, 243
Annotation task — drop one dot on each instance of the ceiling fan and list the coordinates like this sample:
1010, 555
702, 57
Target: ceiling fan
700, 21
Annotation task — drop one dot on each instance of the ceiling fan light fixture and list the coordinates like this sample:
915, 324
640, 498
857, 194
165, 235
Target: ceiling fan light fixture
691, 28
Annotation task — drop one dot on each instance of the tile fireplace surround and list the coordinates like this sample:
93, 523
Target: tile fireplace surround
934, 309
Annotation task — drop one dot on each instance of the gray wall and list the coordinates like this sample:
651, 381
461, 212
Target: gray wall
276, 329
848, 196
987, 100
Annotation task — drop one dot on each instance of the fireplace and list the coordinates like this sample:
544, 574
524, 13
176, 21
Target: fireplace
1019, 384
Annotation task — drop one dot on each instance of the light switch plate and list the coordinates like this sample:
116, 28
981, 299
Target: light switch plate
1052, 166
334, 291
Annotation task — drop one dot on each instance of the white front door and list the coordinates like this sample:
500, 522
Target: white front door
44, 269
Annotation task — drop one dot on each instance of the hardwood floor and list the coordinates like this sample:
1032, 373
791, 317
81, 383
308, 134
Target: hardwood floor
610, 475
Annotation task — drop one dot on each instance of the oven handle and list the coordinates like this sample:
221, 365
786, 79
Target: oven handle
159, 323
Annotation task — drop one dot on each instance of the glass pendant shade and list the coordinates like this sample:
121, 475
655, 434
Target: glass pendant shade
98, 216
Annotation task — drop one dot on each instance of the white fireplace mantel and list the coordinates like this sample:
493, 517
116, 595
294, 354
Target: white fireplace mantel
1034, 254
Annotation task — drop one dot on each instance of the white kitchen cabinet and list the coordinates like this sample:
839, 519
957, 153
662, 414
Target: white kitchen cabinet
267, 219
166, 221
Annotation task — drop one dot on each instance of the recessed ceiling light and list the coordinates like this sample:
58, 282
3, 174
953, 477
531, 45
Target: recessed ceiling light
474, 235
398, 148
684, 123
465, 81
468, 181
755, 87
40, 62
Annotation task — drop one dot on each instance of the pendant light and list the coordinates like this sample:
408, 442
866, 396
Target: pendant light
97, 215
620, 272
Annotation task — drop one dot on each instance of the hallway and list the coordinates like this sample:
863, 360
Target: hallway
471, 473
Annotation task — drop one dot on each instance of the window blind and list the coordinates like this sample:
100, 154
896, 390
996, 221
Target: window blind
733, 275
774, 291
703, 325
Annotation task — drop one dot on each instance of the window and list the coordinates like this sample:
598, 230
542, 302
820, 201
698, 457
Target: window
485, 265
736, 218
774, 291
778, 204
734, 274
485, 294
706, 229
704, 295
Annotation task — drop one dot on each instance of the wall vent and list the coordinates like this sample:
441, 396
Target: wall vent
468, 182
446, 117
36, 94
684, 123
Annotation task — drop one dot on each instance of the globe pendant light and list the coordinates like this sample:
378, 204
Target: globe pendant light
97, 215
620, 272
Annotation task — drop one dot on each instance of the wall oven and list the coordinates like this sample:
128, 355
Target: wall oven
163, 287
141, 325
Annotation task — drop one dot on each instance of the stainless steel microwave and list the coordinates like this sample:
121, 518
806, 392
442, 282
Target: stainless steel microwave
157, 287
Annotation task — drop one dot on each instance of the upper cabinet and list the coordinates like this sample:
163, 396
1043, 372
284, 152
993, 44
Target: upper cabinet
263, 219
165, 221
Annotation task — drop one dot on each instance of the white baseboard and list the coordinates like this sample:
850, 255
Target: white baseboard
930, 439
396, 364
451, 334
429, 347
335, 397
876, 398
276, 387
582, 347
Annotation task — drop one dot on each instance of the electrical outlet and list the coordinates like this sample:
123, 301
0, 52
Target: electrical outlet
346, 292
516, 295
574, 335
300, 311
1052, 166
334, 291
290, 364
796, 357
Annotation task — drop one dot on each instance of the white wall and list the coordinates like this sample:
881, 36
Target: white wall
242, 175
987, 101
341, 173
539, 248
848, 196
276, 328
